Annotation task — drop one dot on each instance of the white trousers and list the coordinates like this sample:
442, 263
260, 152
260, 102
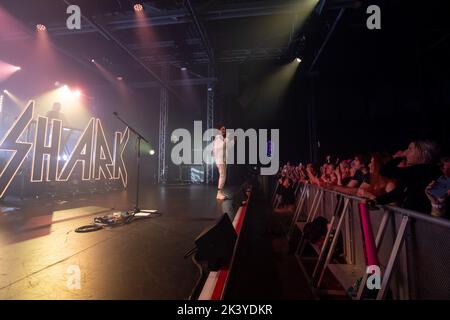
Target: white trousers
222, 175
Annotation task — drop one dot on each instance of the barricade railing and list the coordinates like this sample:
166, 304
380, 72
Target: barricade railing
413, 248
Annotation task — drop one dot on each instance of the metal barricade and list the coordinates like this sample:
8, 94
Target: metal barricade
413, 248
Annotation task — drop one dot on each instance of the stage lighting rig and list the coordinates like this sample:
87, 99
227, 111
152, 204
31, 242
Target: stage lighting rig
41, 27
138, 7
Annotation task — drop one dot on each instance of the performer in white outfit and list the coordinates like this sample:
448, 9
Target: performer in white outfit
220, 146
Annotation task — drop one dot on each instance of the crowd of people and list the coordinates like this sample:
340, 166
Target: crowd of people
415, 178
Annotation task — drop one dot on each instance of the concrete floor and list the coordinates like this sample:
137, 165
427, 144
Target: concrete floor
41, 255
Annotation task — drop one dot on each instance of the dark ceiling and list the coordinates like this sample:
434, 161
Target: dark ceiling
391, 71
197, 34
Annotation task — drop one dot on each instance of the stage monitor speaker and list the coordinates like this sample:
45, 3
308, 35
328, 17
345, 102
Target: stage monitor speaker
215, 245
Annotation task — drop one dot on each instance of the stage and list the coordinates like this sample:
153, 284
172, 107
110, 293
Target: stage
41, 252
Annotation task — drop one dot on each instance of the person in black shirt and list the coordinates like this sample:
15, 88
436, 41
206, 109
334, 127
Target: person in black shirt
361, 175
378, 185
287, 192
412, 179
55, 113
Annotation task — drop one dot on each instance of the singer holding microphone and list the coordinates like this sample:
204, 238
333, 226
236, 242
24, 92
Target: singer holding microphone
220, 147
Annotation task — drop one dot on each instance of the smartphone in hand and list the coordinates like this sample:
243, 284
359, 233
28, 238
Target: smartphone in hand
440, 188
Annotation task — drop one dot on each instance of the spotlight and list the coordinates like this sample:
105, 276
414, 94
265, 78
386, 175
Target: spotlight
65, 92
119, 78
18, 68
11, 97
152, 152
298, 60
77, 93
209, 89
92, 60
41, 27
174, 139
138, 7
183, 68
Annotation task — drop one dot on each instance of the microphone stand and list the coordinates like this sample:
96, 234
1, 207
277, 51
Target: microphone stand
139, 138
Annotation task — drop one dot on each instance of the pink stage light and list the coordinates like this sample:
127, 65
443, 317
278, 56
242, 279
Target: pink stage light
41, 27
138, 7
7, 70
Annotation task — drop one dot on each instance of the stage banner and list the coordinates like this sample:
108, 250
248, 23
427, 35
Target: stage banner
41, 150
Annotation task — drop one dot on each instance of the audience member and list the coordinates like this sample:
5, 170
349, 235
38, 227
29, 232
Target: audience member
413, 178
378, 184
409, 179
438, 192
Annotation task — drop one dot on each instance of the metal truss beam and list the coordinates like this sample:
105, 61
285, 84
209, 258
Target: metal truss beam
200, 57
203, 36
175, 83
108, 35
209, 125
163, 119
324, 43
180, 16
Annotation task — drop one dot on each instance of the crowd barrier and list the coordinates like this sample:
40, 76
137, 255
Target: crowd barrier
413, 248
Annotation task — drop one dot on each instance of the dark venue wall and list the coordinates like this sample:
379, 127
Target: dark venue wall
375, 86
369, 89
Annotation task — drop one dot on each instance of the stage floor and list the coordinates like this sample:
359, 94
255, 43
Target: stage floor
40, 253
